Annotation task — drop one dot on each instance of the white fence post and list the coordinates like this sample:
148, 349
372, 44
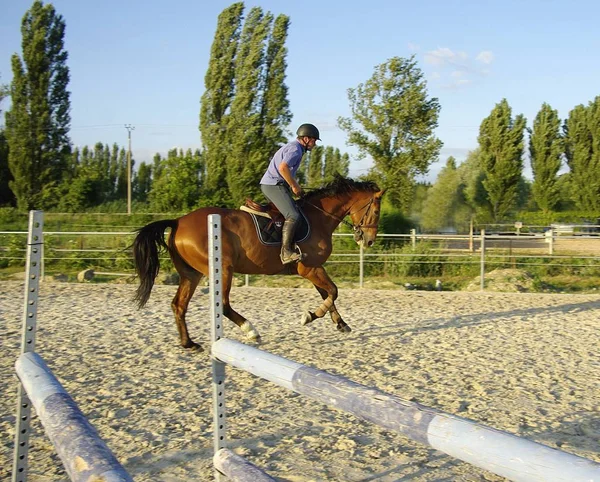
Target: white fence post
482, 271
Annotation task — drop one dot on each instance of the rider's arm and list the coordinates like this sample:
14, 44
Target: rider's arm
285, 172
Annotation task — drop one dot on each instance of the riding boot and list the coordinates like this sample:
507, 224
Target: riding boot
288, 253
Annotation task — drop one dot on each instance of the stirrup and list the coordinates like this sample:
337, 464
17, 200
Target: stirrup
294, 256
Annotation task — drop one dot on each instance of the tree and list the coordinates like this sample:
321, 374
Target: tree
582, 149
242, 131
501, 154
474, 193
177, 189
314, 167
142, 182
545, 150
244, 123
445, 204
6, 195
216, 100
396, 121
37, 124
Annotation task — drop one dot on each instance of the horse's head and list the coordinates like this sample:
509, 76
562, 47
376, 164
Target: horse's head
365, 218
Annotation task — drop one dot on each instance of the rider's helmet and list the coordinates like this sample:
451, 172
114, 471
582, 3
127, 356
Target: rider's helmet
308, 130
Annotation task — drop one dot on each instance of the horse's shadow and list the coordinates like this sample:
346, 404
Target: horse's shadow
478, 319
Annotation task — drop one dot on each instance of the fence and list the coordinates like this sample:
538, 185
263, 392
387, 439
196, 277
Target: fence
107, 254
499, 452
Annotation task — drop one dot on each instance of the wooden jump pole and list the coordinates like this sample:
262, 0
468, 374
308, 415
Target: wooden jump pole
84, 455
499, 452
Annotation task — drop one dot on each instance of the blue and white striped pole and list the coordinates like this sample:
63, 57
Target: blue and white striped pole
84, 455
499, 452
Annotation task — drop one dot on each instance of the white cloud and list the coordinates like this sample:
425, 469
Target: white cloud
485, 57
444, 56
455, 69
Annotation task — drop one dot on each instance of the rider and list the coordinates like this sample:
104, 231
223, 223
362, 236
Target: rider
280, 178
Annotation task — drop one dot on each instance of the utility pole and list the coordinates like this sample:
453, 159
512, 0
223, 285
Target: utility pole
129, 128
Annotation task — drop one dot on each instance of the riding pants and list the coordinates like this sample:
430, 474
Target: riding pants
281, 196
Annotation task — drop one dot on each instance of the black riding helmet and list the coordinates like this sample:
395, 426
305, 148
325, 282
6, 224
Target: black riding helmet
308, 130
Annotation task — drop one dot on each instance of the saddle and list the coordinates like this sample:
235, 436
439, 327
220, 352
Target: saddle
268, 222
266, 210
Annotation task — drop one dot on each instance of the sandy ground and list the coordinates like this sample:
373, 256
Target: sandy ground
525, 363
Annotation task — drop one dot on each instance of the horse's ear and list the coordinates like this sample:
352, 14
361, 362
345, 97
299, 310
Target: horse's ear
379, 195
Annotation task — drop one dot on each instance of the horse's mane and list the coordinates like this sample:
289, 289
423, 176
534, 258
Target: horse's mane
341, 185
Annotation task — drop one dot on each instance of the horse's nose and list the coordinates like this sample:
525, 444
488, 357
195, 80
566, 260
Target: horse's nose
370, 243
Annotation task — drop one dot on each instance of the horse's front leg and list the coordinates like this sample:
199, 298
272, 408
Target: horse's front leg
247, 327
328, 291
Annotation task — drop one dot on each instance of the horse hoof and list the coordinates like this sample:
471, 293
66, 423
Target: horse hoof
344, 328
306, 318
253, 336
194, 347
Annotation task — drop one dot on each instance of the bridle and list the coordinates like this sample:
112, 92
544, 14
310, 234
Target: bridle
357, 228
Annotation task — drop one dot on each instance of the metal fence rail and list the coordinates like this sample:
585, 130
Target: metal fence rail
487, 250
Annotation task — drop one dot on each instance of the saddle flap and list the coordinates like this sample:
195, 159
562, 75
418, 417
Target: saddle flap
269, 209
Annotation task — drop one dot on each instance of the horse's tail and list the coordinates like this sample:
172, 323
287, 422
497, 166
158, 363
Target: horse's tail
148, 243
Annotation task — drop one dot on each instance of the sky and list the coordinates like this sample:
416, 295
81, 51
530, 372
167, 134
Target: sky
142, 63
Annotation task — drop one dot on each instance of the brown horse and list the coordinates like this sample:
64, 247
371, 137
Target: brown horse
242, 252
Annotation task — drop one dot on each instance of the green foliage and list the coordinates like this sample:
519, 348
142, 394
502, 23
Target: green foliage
216, 101
37, 123
445, 205
501, 151
244, 110
396, 121
545, 150
582, 138
178, 187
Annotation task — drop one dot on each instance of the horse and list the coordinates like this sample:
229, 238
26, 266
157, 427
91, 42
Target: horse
242, 252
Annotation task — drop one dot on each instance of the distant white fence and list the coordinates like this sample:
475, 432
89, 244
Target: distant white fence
483, 249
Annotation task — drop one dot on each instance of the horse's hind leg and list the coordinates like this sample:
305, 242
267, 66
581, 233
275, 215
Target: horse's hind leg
247, 327
328, 291
187, 285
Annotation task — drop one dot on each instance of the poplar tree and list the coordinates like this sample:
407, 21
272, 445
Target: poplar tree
315, 167
37, 124
445, 202
545, 151
501, 154
396, 126
6, 195
216, 101
275, 106
142, 182
245, 123
582, 150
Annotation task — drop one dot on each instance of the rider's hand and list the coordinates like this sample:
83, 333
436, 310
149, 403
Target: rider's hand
297, 190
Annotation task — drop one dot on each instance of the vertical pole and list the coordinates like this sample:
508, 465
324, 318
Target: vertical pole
361, 268
413, 238
32, 272
471, 235
129, 128
216, 311
482, 273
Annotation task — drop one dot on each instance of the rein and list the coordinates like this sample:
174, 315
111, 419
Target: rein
355, 227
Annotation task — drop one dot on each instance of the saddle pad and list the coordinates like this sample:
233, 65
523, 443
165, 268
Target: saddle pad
269, 233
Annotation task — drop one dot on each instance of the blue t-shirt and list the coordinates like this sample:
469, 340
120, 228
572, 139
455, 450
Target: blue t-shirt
291, 154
